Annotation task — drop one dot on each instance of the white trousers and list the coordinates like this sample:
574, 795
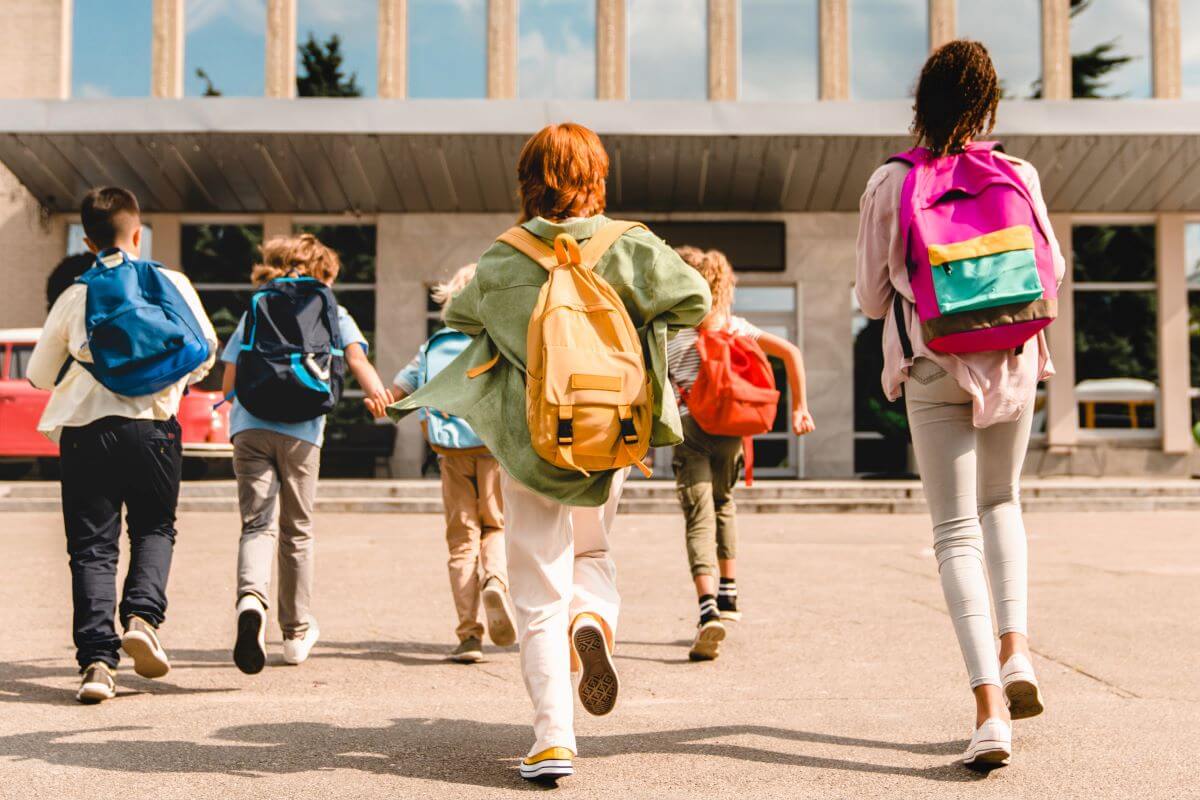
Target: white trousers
559, 567
971, 478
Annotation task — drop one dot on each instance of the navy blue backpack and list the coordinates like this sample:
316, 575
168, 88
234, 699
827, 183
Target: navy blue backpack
291, 367
141, 333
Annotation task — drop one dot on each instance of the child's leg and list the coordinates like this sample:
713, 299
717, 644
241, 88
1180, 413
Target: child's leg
541, 569
491, 517
91, 503
151, 495
299, 465
258, 486
726, 463
461, 502
694, 486
595, 580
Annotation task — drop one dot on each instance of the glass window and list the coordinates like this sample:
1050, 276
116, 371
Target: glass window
1013, 39
18, 365
1116, 325
218, 258
557, 49
1189, 23
110, 48
780, 55
1192, 255
447, 48
75, 243
224, 48
1110, 48
889, 41
353, 22
668, 49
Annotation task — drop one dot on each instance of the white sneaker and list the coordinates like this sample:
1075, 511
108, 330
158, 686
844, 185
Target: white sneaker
1021, 690
991, 745
499, 615
295, 651
250, 650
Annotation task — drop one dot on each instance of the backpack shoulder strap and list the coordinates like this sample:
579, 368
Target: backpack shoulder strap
605, 238
526, 243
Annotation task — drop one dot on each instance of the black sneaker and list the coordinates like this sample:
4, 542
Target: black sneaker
250, 650
727, 601
98, 684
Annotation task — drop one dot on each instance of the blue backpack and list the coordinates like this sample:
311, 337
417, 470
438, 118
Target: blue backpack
141, 333
446, 431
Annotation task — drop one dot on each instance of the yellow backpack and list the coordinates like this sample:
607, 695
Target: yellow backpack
588, 398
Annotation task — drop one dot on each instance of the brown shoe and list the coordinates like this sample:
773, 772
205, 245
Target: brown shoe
140, 642
98, 684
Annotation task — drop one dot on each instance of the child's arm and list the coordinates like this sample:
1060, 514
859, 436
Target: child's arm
378, 397
51, 351
228, 378
793, 362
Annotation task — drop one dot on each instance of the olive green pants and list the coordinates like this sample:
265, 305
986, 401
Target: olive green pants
706, 470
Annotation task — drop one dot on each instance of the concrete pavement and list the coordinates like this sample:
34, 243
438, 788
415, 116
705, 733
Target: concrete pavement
844, 679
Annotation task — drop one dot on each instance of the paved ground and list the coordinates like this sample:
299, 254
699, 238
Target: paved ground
843, 681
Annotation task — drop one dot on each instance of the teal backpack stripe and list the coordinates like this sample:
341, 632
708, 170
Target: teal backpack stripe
987, 281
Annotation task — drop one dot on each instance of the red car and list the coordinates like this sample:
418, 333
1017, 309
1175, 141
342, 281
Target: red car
205, 429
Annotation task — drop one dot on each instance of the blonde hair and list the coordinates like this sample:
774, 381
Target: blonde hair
717, 271
302, 254
445, 290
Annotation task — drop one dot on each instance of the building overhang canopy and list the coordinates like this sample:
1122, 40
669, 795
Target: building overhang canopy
366, 156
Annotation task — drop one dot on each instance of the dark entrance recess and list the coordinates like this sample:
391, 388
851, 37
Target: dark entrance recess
750, 246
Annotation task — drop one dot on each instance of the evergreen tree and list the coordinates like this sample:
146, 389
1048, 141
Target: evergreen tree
321, 72
209, 89
1089, 69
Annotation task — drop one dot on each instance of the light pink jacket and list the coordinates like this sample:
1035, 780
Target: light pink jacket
1001, 383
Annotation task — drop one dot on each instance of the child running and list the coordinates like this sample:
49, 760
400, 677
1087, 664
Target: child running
112, 411
470, 495
963, 342
706, 465
598, 401
277, 451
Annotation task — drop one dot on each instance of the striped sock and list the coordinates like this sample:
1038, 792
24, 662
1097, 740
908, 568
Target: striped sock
727, 595
708, 608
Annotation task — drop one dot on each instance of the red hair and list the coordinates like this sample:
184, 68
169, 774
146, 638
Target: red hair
561, 173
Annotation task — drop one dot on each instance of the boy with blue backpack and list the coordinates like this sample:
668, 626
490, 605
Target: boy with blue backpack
284, 368
470, 496
117, 352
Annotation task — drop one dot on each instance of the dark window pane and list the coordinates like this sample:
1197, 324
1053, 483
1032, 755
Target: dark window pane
1116, 335
355, 246
1194, 334
18, 366
770, 453
1113, 253
361, 306
758, 246
220, 253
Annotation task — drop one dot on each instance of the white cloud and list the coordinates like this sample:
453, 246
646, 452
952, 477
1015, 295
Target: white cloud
249, 15
668, 48
338, 12
565, 70
1127, 22
92, 91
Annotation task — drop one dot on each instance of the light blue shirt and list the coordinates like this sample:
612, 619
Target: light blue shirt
311, 431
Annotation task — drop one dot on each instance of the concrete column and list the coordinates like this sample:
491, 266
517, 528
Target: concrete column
281, 48
1056, 49
167, 242
835, 49
1174, 357
166, 49
723, 64
502, 49
612, 62
1062, 413
393, 49
37, 49
943, 22
276, 225
1167, 48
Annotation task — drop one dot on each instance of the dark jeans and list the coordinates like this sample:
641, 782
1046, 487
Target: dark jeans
110, 463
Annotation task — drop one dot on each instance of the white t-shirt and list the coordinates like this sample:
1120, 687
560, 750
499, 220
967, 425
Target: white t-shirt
683, 359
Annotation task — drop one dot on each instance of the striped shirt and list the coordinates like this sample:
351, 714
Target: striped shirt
683, 359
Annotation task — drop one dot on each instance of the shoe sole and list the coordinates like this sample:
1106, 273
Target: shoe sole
148, 661
248, 652
92, 693
1024, 699
547, 772
707, 646
991, 756
731, 616
499, 618
598, 684
473, 657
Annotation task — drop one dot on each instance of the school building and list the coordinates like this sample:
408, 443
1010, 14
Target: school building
750, 126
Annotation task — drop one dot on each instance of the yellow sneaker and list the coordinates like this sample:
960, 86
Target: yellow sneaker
548, 766
598, 683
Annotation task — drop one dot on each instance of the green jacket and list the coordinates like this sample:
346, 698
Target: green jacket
661, 293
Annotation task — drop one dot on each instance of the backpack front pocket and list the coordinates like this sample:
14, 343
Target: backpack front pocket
996, 269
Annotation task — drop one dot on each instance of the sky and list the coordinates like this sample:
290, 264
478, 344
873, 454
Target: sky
1189, 11
668, 49
556, 49
1013, 38
1127, 23
780, 56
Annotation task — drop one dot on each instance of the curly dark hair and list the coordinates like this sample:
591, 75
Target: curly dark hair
957, 96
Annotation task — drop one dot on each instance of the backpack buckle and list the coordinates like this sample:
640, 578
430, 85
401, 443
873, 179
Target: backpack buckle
628, 432
566, 433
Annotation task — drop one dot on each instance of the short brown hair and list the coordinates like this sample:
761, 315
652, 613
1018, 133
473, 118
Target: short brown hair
957, 96
108, 214
296, 255
715, 268
561, 171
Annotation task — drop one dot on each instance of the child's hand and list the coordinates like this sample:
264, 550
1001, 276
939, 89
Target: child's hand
802, 422
377, 403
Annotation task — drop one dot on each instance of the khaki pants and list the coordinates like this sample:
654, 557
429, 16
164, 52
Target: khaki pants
561, 567
271, 466
706, 470
474, 533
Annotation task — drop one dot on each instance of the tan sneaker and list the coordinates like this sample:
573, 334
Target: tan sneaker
496, 608
98, 684
141, 643
469, 651
707, 644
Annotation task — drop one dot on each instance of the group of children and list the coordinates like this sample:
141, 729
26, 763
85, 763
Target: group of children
576, 344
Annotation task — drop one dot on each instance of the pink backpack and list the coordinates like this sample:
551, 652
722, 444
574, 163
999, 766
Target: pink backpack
979, 262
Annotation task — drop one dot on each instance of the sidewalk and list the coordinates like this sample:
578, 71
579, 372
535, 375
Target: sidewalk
844, 680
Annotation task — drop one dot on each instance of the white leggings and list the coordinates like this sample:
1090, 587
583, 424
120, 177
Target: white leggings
971, 479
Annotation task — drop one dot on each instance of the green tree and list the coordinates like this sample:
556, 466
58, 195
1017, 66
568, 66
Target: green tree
1090, 69
209, 89
321, 72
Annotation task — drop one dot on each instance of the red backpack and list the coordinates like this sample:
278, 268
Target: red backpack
734, 393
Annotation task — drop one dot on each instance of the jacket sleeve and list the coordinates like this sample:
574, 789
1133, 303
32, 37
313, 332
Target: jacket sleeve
463, 310
51, 350
1034, 184
680, 297
876, 223
206, 329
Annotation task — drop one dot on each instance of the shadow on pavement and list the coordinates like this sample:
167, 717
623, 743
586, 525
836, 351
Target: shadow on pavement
20, 682
447, 750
